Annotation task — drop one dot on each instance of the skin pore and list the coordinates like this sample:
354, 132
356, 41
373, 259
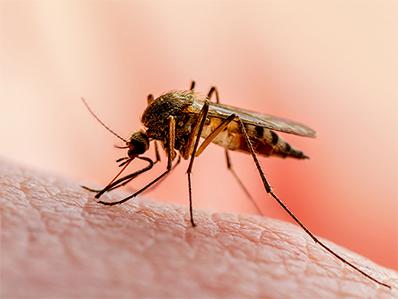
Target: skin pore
58, 242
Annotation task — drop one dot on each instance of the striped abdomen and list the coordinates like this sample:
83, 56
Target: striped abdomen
265, 142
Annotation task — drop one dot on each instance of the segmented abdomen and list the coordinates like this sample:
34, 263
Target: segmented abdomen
264, 141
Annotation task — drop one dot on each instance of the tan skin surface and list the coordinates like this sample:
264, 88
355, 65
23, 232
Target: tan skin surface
57, 242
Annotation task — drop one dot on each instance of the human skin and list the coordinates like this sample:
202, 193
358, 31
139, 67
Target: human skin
331, 65
56, 241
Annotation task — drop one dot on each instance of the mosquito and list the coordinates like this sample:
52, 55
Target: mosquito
179, 119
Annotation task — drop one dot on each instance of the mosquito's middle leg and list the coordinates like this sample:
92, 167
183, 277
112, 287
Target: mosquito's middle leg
214, 91
194, 141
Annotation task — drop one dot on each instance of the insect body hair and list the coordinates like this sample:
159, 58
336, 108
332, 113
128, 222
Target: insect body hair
176, 104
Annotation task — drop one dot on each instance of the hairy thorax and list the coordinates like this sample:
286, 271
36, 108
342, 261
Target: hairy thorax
156, 118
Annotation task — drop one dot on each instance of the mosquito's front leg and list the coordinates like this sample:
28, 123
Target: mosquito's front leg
128, 178
123, 180
170, 155
157, 154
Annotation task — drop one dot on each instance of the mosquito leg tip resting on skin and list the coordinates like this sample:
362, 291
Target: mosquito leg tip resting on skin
313, 237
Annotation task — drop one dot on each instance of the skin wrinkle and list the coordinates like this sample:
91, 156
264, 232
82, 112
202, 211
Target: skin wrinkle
75, 247
36, 205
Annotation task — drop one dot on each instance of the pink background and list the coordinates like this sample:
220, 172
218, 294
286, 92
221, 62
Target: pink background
332, 66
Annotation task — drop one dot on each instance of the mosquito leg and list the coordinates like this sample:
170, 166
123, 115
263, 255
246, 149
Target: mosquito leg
158, 182
195, 137
215, 133
237, 178
230, 168
136, 193
150, 98
124, 164
214, 91
119, 183
313, 237
170, 155
157, 154
123, 180
90, 189
127, 179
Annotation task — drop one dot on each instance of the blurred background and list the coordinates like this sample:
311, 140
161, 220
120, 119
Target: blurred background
332, 65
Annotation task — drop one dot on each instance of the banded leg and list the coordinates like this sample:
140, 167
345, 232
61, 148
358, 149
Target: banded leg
170, 154
214, 90
268, 189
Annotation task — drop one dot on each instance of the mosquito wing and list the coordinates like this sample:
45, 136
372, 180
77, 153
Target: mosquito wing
258, 119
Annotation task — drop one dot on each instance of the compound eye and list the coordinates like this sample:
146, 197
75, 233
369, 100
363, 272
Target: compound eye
137, 147
138, 144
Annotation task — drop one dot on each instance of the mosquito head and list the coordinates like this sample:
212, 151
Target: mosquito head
138, 144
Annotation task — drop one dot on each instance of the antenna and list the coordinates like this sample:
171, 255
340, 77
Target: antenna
100, 121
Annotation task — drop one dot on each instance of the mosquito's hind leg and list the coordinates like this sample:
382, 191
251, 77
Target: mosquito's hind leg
90, 189
123, 180
268, 189
214, 91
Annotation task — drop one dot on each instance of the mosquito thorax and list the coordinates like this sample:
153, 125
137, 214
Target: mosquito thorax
173, 103
138, 144
156, 117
